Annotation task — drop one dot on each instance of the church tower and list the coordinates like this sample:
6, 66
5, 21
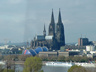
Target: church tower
44, 31
52, 25
60, 31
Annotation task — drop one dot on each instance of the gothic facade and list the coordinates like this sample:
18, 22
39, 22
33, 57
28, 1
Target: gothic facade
55, 38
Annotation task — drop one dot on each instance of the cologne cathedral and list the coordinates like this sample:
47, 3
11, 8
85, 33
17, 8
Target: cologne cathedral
55, 38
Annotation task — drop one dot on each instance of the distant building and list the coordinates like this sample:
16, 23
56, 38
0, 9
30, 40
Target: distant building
48, 54
34, 52
69, 47
94, 43
74, 52
55, 38
90, 48
83, 41
89, 55
65, 54
53, 53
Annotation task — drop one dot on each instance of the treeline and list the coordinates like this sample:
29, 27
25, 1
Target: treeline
68, 59
76, 68
14, 57
51, 58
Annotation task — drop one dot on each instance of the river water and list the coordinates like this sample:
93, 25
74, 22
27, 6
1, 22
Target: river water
55, 69
19, 68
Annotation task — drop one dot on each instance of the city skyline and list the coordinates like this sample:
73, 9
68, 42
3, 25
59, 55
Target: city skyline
21, 20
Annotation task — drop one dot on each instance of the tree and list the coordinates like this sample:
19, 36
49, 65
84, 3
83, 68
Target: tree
76, 68
5, 70
9, 70
1, 68
23, 57
33, 64
61, 58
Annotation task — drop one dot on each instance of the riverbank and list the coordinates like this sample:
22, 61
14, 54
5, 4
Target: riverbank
19, 62
20, 65
75, 63
22, 62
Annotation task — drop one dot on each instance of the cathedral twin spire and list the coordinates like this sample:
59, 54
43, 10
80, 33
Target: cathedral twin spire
58, 34
59, 17
52, 17
52, 24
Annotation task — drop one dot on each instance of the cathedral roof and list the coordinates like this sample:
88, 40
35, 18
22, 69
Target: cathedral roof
40, 37
49, 37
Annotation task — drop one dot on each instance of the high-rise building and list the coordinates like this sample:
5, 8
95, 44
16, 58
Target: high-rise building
83, 41
55, 38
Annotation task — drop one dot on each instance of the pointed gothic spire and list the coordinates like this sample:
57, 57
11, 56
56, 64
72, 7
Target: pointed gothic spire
52, 25
44, 31
59, 17
44, 28
52, 17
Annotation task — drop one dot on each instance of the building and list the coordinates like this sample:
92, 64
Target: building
74, 52
56, 54
48, 54
53, 53
83, 41
65, 54
34, 52
90, 48
55, 38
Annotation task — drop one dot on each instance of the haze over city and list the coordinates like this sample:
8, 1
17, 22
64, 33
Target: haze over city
21, 20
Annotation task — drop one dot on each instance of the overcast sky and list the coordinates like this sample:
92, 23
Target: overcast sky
21, 20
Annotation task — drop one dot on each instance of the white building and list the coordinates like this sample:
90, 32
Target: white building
90, 48
4, 47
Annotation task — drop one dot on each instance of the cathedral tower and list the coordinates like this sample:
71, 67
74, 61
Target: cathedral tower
60, 31
44, 31
52, 25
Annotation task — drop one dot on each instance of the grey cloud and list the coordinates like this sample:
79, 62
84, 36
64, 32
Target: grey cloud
76, 14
